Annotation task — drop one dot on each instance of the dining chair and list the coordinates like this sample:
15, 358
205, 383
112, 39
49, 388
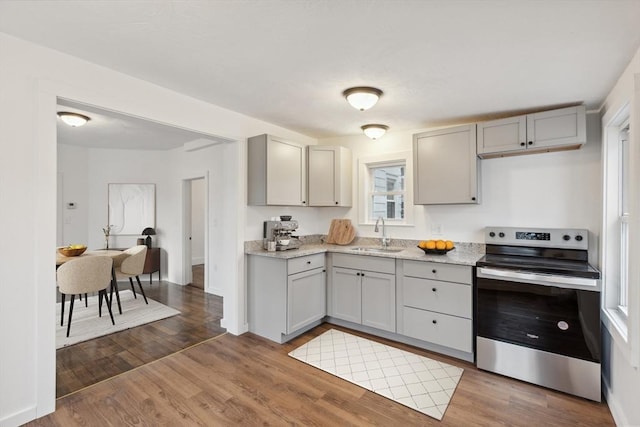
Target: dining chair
81, 276
130, 265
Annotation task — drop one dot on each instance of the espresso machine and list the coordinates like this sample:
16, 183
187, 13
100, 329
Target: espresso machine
281, 232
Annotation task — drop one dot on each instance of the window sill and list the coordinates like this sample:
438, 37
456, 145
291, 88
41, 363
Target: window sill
616, 324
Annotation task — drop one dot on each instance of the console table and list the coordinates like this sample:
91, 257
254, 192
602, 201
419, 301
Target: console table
151, 263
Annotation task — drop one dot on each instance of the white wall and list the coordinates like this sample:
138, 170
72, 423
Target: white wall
197, 221
73, 172
542, 190
31, 79
621, 377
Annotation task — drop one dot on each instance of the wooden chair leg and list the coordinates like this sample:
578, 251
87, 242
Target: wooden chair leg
141, 290
132, 288
104, 292
62, 311
100, 295
86, 300
70, 314
114, 285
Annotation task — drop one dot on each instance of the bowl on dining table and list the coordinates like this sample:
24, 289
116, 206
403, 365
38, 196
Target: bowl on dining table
73, 250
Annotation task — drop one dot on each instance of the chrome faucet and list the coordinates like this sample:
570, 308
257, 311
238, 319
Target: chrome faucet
384, 239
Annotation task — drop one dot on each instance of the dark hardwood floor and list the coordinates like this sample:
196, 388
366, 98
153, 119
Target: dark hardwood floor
248, 380
198, 276
87, 363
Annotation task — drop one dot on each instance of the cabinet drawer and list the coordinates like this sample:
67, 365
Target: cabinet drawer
434, 295
447, 331
304, 263
365, 262
438, 271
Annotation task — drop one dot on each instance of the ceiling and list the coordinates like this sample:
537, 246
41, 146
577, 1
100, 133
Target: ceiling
287, 62
110, 129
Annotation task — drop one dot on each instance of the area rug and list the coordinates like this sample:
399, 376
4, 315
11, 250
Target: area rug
418, 382
86, 324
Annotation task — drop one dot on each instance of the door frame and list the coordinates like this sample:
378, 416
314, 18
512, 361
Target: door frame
187, 273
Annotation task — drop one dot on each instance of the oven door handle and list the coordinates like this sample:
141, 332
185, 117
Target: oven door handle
539, 278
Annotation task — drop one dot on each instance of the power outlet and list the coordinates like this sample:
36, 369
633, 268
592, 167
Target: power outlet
437, 229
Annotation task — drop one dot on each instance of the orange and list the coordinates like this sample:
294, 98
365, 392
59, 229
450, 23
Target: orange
431, 244
422, 244
440, 244
448, 244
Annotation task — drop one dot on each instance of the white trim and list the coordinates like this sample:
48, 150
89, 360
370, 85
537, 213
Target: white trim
614, 406
610, 229
362, 186
20, 418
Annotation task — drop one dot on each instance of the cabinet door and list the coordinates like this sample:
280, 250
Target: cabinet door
286, 171
346, 294
329, 175
497, 136
306, 298
445, 166
379, 300
566, 126
323, 176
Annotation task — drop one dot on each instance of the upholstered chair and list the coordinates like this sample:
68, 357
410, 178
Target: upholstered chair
130, 265
81, 276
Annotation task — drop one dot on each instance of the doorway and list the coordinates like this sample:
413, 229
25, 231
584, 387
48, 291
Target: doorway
195, 232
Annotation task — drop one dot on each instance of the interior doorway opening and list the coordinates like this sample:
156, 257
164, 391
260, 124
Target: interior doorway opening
195, 232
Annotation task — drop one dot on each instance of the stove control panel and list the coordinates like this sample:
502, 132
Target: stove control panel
568, 238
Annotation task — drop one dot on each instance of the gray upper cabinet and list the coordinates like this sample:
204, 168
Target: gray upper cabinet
329, 175
445, 166
553, 130
276, 172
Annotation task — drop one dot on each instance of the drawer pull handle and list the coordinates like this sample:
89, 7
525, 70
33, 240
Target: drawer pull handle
357, 274
308, 262
433, 271
433, 289
434, 322
362, 274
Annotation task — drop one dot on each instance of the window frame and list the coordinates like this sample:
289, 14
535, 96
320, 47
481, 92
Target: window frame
371, 192
623, 325
365, 184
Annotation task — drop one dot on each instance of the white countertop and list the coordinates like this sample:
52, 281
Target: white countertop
463, 254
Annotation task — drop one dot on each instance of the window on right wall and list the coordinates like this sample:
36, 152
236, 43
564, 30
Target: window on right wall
615, 233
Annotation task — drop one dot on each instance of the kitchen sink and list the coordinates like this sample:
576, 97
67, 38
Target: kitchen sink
378, 250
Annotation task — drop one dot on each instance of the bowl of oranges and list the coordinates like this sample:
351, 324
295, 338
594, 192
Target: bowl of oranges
437, 247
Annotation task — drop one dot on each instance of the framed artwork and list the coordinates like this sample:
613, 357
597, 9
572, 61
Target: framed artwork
132, 208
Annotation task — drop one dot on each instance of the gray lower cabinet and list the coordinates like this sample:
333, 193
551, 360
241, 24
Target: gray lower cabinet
437, 304
363, 291
285, 297
306, 298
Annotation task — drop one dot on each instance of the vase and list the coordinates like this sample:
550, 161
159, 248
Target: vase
106, 242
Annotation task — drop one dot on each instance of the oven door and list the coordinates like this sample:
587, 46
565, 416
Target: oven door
550, 318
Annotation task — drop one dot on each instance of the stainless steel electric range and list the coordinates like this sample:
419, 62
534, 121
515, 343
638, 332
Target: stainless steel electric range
538, 309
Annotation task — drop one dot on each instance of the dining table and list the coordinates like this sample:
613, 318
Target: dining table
117, 257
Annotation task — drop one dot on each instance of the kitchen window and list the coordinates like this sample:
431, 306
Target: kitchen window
617, 228
386, 194
385, 189
623, 197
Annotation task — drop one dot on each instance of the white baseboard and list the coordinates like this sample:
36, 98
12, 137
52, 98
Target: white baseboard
616, 411
19, 418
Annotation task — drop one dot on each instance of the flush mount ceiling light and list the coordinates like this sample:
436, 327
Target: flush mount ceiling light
374, 131
362, 98
73, 119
